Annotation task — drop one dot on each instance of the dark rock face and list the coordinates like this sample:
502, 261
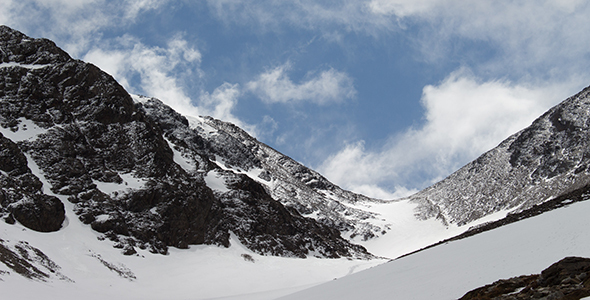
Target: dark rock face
120, 163
21, 197
40, 212
29, 262
258, 219
297, 186
566, 279
33, 51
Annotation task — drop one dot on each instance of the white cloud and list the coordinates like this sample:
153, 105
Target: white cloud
523, 38
221, 103
74, 24
158, 72
323, 88
157, 68
326, 16
402, 8
464, 118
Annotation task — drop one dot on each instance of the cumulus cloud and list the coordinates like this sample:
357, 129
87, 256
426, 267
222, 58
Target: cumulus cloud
464, 118
157, 68
323, 88
159, 72
221, 103
74, 24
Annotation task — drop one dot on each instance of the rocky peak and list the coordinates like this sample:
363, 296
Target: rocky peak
549, 158
137, 172
19, 48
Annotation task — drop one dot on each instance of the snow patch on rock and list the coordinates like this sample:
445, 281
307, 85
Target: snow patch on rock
25, 130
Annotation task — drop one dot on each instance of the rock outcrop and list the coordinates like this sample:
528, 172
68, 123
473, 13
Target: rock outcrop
566, 279
549, 158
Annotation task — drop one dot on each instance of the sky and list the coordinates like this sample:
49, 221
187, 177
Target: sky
383, 97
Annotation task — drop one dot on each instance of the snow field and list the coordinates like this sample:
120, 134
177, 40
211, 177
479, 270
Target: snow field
201, 272
450, 270
406, 233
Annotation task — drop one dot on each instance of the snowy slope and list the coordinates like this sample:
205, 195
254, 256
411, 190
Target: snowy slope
406, 233
449, 271
200, 272
92, 269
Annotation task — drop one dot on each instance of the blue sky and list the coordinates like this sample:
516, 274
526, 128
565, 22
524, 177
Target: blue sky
383, 97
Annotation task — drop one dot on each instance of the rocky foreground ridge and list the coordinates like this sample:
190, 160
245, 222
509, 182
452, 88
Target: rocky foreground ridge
566, 279
145, 176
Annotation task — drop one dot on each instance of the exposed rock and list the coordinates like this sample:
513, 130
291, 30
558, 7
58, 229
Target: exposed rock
39, 212
549, 158
21, 194
566, 279
29, 261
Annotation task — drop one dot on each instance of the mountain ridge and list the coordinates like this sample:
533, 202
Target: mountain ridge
129, 172
94, 140
540, 162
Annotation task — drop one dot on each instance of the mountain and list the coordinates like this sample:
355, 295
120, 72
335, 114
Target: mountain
549, 158
514, 210
144, 176
102, 192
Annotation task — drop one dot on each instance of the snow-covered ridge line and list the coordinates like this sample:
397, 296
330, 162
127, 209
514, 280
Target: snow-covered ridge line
26, 66
544, 160
304, 189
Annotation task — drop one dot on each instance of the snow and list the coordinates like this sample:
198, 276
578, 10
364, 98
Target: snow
139, 98
450, 270
26, 66
102, 218
198, 123
130, 182
253, 173
200, 272
25, 130
215, 181
406, 233
181, 160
